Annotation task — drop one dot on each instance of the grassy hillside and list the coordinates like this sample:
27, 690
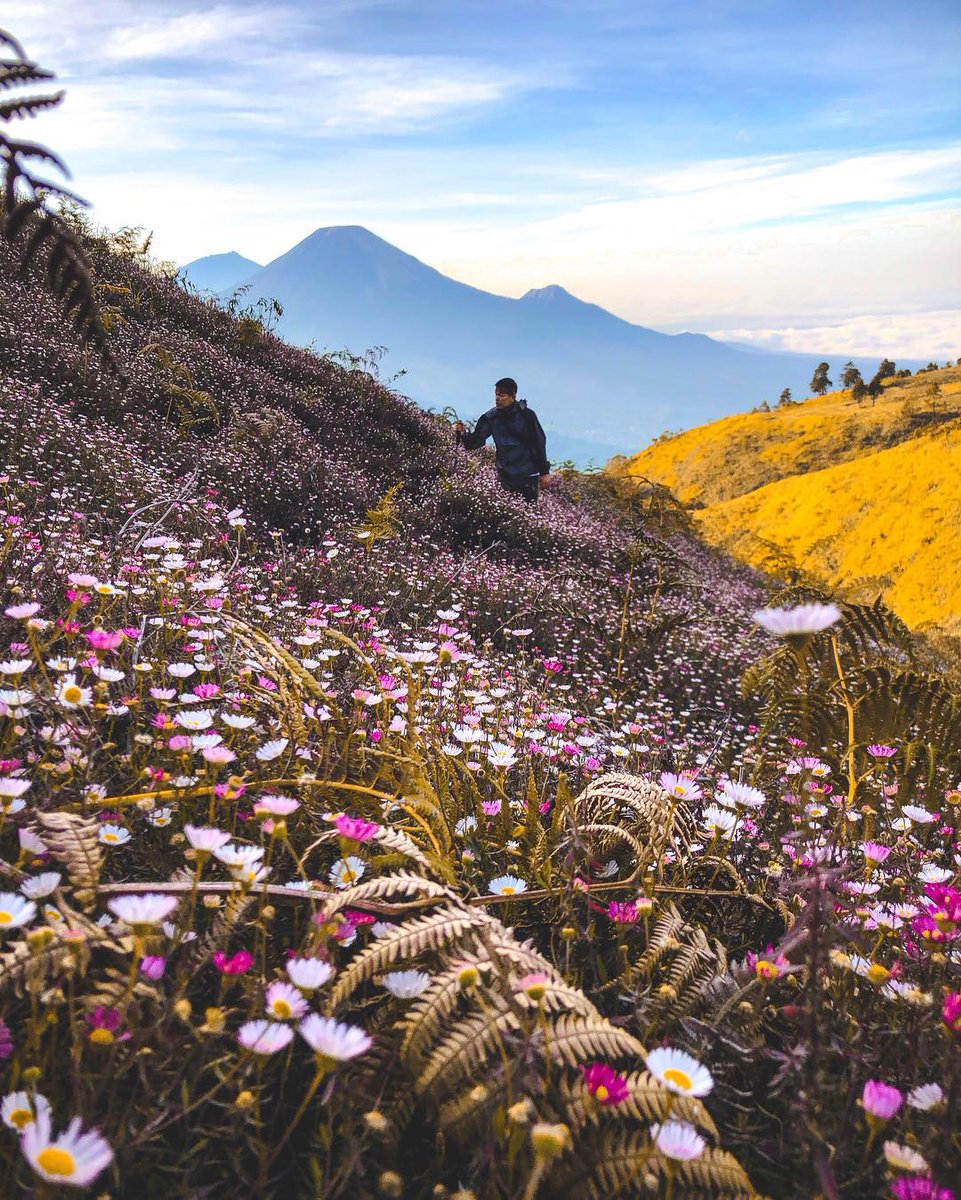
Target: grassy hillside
848, 493
519, 807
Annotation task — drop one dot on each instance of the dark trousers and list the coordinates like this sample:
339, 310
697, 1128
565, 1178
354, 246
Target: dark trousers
527, 486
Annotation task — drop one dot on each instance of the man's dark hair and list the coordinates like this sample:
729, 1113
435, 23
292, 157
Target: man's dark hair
507, 385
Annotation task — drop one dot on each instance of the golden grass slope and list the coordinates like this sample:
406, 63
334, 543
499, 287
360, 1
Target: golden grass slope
866, 498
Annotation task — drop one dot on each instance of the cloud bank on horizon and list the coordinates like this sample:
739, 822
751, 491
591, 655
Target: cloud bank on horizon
787, 175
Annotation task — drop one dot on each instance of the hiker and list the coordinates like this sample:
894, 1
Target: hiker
521, 447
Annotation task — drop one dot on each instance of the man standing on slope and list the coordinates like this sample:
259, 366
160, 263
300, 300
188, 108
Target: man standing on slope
521, 447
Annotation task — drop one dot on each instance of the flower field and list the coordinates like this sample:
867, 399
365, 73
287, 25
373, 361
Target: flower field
364, 832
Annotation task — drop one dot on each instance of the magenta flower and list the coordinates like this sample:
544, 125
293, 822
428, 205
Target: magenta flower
882, 751
913, 1187
951, 1012
881, 1100
104, 1023
605, 1085
101, 639
239, 964
6, 1040
355, 829
152, 966
623, 913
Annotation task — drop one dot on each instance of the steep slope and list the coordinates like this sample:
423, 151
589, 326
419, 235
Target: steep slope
847, 493
601, 383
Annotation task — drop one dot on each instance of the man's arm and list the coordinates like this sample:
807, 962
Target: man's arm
538, 445
482, 431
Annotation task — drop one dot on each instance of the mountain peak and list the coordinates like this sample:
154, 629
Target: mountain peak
553, 291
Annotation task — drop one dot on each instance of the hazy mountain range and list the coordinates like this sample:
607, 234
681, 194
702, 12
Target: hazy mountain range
600, 385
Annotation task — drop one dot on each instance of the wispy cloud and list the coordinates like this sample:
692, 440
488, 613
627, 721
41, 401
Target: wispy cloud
935, 334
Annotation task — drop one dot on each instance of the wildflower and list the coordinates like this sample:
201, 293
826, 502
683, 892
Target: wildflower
407, 985
13, 788
239, 964
41, 885
678, 1140
799, 624
880, 1100
152, 966
144, 911
913, 1187
70, 694
75, 1158
22, 612
355, 829
623, 913
903, 1158
874, 854
926, 1096
271, 750
768, 967
679, 786
740, 794
919, 816
18, 1109
232, 855
104, 1023
204, 839
308, 974
346, 871
719, 821
951, 1012
114, 835
276, 806
605, 1085
102, 639
333, 1041
506, 885
284, 1002
679, 1072
15, 911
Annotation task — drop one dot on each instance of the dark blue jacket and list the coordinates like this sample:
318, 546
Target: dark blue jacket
521, 446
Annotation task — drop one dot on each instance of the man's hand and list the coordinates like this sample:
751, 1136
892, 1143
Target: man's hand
460, 427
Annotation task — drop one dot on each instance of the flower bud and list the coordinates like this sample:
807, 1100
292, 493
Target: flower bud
549, 1140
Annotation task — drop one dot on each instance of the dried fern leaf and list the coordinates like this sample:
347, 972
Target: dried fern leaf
74, 841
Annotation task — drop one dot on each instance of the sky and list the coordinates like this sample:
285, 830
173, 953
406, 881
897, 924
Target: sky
772, 172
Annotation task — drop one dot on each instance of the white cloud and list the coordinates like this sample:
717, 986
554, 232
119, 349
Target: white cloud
935, 335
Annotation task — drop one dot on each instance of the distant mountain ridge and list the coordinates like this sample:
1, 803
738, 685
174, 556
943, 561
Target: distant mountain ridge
601, 385
218, 272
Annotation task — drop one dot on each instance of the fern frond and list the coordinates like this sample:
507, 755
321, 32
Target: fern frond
406, 941
74, 841
575, 1039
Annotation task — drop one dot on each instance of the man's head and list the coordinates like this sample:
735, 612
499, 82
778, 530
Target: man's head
505, 392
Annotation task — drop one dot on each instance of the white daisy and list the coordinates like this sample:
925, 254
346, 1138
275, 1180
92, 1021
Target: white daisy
308, 974
803, 621
406, 985
903, 1158
332, 1040
506, 885
284, 1002
264, 1037
271, 750
346, 871
41, 885
232, 855
75, 1157
926, 1096
114, 835
15, 911
678, 1140
143, 911
71, 694
206, 839
679, 1072
18, 1109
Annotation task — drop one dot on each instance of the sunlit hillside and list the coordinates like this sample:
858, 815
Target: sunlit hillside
850, 493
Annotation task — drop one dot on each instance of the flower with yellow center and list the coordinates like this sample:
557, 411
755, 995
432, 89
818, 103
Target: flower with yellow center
71, 694
15, 911
284, 1002
506, 885
17, 1110
679, 1072
75, 1158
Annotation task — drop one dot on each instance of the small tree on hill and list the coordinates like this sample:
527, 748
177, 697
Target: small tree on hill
785, 399
859, 390
875, 388
887, 369
820, 382
850, 377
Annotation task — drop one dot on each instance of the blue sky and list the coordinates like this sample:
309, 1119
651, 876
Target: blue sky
787, 173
